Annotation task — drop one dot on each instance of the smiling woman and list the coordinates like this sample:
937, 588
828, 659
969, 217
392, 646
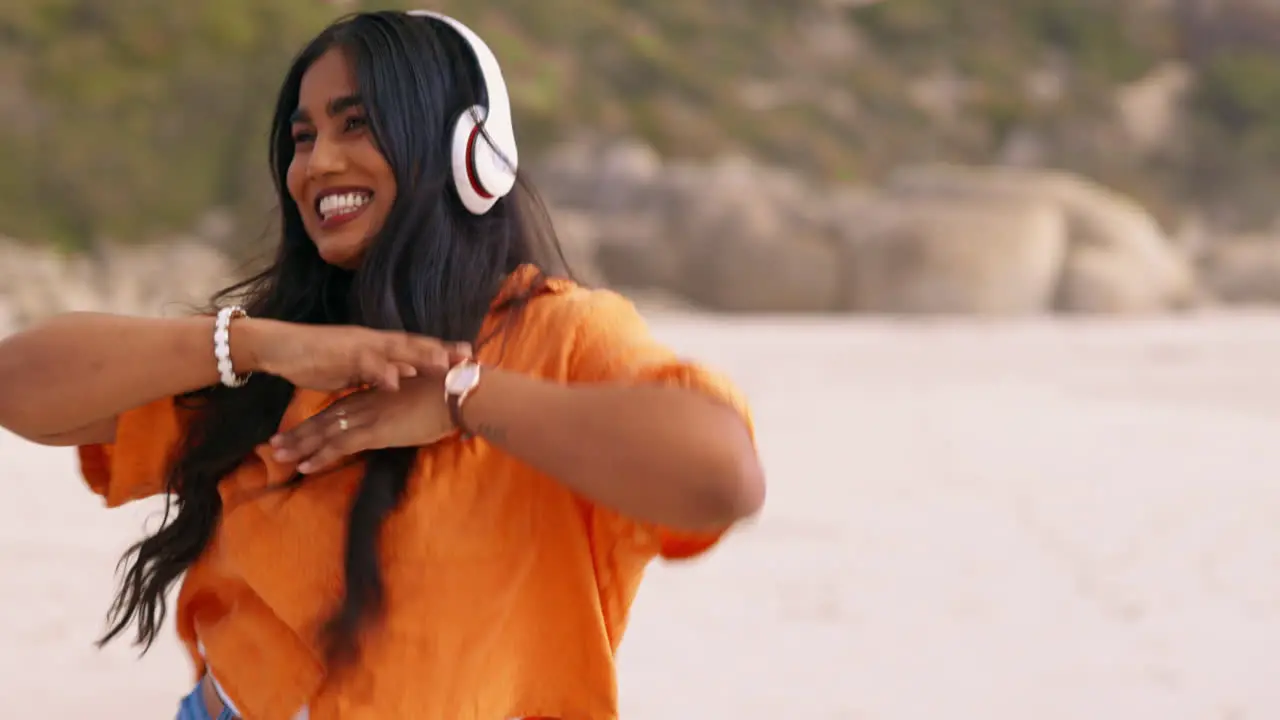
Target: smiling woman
419, 472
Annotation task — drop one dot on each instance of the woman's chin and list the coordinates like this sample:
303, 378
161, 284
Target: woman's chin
340, 252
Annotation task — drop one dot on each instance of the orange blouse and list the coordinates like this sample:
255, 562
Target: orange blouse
506, 594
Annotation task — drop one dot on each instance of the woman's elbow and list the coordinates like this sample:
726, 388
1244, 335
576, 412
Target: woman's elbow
708, 458
739, 493
12, 387
22, 380
733, 482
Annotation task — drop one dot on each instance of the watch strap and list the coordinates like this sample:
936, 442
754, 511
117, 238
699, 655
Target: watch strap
455, 400
455, 414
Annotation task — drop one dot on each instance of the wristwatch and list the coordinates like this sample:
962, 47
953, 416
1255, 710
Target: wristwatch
459, 383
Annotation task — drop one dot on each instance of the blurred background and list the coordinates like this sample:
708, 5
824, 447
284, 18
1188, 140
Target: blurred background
998, 276
995, 156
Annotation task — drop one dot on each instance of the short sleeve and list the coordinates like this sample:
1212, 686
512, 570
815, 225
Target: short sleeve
613, 343
136, 464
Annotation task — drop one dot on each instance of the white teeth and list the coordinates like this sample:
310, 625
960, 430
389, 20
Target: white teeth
331, 205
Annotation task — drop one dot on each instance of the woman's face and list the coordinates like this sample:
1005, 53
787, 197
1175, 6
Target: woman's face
341, 182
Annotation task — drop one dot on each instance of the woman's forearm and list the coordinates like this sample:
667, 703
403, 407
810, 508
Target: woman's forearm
663, 455
81, 368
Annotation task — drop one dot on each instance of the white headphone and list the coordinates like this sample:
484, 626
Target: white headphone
483, 172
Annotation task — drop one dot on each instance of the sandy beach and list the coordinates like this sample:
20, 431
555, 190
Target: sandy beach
1058, 520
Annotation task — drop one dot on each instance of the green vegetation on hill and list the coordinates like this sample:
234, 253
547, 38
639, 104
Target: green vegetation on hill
129, 118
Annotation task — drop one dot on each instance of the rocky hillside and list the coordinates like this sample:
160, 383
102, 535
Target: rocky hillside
132, 119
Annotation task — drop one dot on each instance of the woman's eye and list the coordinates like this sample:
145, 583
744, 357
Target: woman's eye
302, 137
356, 123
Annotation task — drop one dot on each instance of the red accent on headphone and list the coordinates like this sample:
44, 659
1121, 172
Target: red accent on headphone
472, 176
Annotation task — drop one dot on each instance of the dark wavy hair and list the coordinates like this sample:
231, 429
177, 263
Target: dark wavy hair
434, 269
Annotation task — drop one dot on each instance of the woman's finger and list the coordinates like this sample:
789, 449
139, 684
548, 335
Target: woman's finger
428, 356
290, 439
308, 437
424, 354
390, 377
296, 446
376, 370
335, 446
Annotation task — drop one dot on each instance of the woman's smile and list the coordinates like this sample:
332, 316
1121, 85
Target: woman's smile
339, 206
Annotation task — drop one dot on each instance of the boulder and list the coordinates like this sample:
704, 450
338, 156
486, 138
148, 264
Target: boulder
944, 256
745, 246
1243, 269
1111, 239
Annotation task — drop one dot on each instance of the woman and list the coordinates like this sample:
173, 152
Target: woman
373, 520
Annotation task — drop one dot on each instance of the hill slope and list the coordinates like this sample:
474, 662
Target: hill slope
133, 117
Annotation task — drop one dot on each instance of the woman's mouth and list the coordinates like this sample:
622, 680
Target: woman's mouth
338, 207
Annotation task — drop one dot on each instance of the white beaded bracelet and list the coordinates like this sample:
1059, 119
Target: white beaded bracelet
222, 346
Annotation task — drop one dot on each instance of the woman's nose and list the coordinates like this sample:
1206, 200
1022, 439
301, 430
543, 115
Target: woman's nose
327, 158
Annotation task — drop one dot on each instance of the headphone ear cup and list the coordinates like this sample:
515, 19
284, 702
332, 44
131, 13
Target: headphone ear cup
467, 137
493, 164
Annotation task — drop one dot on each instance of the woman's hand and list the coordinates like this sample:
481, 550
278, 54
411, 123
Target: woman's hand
328, 357
416, 416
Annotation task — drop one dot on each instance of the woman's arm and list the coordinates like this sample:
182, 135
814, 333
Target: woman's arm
67, 380
626, 425
665, 455
74, 373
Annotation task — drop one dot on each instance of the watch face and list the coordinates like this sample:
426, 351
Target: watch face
462, 378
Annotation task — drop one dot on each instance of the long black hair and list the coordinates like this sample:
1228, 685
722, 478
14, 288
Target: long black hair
434, 269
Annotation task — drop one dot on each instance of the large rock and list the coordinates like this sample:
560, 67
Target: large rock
1118, 258
728, 236
746, 247
943, 256
635, 252
1243, 269
1122, 280
603, 177
789, 273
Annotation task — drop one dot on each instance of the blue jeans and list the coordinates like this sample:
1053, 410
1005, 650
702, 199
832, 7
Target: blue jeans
192, 708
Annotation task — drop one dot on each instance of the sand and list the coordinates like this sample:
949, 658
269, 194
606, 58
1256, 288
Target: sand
1050, 520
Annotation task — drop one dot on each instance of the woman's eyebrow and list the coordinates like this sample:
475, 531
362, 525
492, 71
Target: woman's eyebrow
336, 106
